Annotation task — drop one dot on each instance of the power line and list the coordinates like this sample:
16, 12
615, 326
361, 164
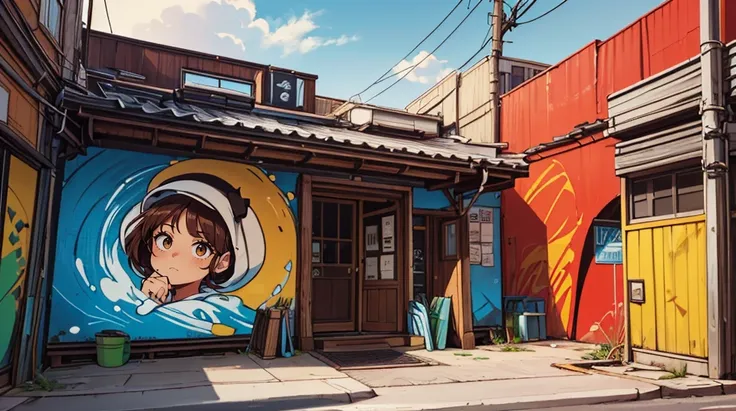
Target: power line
483, 47
543, 14
107, 12
381, 79
430, 53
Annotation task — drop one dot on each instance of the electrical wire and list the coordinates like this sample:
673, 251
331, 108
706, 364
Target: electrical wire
381, 79
482, 47
430, 53
543, 14
488, 34
107, 12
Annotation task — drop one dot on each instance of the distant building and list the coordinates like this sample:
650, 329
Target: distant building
473, 98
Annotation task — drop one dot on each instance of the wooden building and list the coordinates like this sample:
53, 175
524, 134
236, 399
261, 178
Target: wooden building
39, 52
275, 206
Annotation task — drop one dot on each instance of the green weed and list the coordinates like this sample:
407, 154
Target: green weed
41, 383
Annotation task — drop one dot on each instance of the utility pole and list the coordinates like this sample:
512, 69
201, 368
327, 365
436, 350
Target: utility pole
496, 50
715, 168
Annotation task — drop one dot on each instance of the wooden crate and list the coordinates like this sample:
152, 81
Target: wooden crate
266, 331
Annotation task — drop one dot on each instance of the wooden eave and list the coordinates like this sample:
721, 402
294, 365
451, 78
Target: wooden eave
108, 129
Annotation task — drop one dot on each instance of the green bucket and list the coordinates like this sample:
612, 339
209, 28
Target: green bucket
113, 348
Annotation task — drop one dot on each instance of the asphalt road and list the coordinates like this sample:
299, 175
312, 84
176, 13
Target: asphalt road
719, 403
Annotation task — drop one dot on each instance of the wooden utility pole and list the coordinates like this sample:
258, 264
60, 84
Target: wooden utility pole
496, 49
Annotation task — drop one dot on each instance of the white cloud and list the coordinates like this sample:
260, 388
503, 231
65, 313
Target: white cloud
226, 27
426, 68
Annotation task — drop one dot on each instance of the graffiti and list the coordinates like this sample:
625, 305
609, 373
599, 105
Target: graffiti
547, 267
165, 247
20, 205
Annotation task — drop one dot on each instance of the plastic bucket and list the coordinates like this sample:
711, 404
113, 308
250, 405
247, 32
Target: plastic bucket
113, 348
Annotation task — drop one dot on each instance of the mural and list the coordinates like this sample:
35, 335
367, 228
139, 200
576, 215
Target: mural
549, 245
19, 209
164, 248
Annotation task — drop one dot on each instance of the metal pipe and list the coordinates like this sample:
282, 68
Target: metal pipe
476, 195
715, 168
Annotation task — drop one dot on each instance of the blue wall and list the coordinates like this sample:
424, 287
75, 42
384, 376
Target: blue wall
485, 282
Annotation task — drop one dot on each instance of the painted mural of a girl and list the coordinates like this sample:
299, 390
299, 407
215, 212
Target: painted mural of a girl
191, 236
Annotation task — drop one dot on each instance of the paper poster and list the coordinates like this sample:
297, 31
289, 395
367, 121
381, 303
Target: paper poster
486, 215
387, 267
487, 255
371, 268
371, 238
486, 233
474, 215
475, 254
387, 229
474, 232
316, 258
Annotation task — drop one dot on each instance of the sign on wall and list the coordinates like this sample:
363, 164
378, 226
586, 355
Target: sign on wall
481, 236
284, 90
608, 245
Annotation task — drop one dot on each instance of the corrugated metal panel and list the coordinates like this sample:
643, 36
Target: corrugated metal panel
665, 95
295, 126
576, 90
552, 103
475, 89
670, 259
658, 149
440, 100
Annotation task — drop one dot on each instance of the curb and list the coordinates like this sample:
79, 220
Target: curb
569, 399
665, 389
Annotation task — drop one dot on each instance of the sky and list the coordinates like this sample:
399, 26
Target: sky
350, 43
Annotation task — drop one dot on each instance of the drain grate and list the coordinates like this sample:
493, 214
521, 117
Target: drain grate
343, 360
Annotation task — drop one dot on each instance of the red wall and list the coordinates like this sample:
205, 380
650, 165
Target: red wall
547, 217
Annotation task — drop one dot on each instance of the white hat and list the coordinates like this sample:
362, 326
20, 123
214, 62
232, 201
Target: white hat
242, 223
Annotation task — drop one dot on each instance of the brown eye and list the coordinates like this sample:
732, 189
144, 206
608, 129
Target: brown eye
164, 241
201, 250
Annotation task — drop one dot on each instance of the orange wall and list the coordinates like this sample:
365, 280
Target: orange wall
576, 89
547, 217
546, 221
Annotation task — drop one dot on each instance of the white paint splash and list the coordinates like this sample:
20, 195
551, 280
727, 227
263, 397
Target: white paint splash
74, 330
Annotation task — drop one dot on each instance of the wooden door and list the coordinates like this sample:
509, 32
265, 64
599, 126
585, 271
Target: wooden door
333, 265
381, 267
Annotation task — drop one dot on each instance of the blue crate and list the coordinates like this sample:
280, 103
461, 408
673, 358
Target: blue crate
533, 326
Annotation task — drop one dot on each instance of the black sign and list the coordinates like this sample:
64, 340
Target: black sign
283, 90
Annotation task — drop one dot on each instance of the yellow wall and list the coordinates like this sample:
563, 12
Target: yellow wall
669, 255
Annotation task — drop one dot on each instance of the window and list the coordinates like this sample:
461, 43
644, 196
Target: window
207, 80
450, 240
669, 194
503, 81
51, 16
4, 103
517, 76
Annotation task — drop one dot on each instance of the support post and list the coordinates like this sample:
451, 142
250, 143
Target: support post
715, 167
496, 50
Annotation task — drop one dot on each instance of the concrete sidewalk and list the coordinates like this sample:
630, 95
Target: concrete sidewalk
197, 381
487, 378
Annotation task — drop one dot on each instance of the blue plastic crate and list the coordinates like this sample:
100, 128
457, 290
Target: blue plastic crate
533, 326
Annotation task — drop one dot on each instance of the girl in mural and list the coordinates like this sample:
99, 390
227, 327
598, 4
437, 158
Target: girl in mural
193, 235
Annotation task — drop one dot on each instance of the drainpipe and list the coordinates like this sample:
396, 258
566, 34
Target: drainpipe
715, 168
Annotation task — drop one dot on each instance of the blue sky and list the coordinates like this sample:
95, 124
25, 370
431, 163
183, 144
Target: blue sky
350, 43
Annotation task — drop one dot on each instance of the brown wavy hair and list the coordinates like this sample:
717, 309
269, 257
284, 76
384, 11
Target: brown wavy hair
201, 221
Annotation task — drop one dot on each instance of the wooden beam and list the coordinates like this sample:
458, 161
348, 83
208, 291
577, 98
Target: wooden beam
382, 211
304, 283
266, 139
353, 183
465, 325
452, 200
